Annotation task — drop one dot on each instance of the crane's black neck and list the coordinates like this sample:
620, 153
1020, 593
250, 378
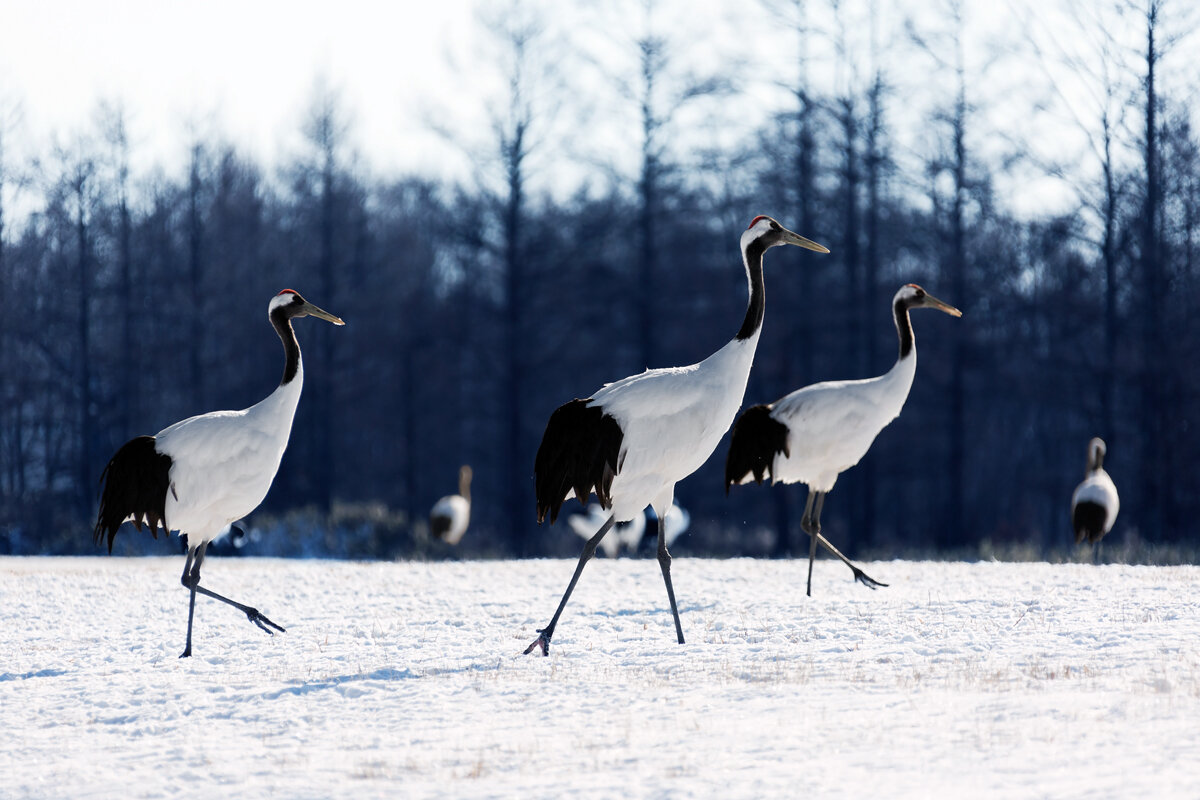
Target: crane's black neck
904, 328
758, 292
282, 322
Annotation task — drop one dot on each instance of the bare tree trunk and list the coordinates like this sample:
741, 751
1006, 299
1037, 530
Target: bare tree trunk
647, 268
851, 258
956, 530
129, 359
10, 410
1108, 388
871, 299
83, 332
798, 361
1152, 473
515, 281
324, 468
196, 273
408, 389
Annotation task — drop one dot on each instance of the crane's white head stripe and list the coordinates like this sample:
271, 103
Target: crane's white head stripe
286, 297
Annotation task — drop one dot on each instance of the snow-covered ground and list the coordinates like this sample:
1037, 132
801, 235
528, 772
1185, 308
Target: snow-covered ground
405, 680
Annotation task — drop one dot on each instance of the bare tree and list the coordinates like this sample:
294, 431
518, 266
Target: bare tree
197, 298
74, 196
325, 191
658, 77
945, 46
12, 431
1160, 39
524, 114
113, 123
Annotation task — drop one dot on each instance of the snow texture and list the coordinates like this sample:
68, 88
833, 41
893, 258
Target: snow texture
979, 680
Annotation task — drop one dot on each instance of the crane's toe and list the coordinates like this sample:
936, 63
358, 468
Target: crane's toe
867, 580
541, 641
262, 622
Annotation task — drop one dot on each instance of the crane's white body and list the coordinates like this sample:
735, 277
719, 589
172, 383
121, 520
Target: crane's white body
673, 420
457, 509
1099, 488
832, 425
223, 462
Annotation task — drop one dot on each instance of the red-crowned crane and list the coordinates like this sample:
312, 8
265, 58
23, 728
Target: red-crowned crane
200, 475
1095, 503
450, 516
816, 433
632, 440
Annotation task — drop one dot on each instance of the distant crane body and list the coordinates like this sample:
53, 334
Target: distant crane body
1095, 503
203, 473
634, 439
626, 535
450, 516
815, 433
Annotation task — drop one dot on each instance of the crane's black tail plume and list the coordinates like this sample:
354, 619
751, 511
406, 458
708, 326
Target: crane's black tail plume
757, 437
136, 482
580, 451
439, 525
1087, 518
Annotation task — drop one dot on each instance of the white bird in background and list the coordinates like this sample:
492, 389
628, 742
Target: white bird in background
200, 475
626, 535
450, 516
816, 433
633, 440
1095, 503
677, 522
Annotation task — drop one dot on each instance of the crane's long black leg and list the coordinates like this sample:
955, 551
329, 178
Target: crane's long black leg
186, 581
859, 575
192, 581
664, 561
811, 523
589, 550
252, 614
813, 530
806, 524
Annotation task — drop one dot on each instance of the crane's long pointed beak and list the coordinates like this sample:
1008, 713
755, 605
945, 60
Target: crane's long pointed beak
321, 313
800, 241
933, 302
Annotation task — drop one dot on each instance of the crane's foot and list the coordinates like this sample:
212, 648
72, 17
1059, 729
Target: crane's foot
866, 580
187, 652
542, 641
262, 622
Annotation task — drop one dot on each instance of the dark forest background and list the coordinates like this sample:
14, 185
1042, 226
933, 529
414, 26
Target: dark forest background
475, 307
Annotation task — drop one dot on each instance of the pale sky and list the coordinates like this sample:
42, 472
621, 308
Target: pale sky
247, 70
244, 68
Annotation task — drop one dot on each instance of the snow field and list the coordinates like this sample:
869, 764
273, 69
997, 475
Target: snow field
405, 680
